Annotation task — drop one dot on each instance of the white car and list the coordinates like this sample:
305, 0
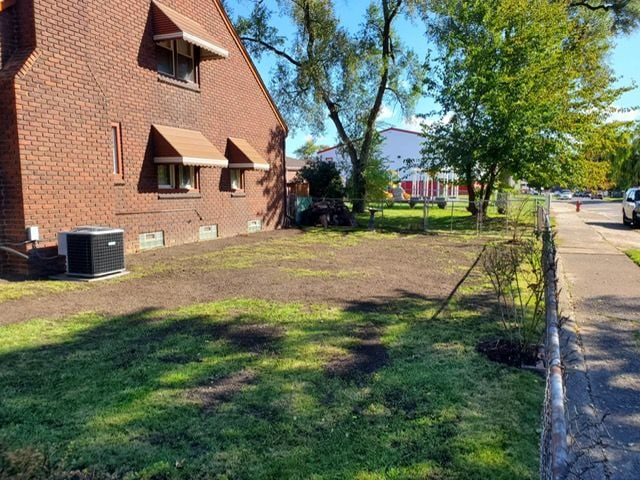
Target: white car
631, 206
565, 195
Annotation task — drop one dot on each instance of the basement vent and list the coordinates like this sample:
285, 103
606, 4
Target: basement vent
254, 226
208, 232
151, 240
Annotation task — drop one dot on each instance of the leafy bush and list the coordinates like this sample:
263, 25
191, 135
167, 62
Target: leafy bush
324, 179
516, 274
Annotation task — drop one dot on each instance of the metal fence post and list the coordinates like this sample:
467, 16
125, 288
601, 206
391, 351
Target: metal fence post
453, 202
507, 209
425, 215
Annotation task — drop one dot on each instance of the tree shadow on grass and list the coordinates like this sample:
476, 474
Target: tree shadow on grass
242, 389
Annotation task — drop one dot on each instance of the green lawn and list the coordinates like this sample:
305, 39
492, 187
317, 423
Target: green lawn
14, 290
453, 218
634, 255
252, 389
246, 389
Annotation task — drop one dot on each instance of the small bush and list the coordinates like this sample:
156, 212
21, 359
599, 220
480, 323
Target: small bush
323, 178
517, 277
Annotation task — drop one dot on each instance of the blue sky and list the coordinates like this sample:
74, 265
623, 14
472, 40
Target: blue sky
625, 62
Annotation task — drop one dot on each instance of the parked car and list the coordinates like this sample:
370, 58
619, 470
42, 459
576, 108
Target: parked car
599, 195
631, 207
565, 195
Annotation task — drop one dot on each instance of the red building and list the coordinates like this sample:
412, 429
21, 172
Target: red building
143, 115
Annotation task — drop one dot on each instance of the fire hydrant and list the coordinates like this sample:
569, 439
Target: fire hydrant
577, 205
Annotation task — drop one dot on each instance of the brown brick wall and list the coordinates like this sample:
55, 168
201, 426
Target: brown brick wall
96, 65
17, 43
8, 35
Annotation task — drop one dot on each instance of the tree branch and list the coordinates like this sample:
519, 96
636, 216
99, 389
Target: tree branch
387, 53
334, 110
602, 6
271, 48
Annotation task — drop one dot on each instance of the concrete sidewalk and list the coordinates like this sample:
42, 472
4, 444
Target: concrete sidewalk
602, 297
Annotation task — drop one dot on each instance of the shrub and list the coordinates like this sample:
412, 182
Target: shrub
323, 178
516, 274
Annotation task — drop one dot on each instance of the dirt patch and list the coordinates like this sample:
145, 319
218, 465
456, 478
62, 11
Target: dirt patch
252, 337
217, 391
509, 353
366, 356
391, 267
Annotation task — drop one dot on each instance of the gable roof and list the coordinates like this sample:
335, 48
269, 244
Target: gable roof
401, 130
390, 129
294, 164
252, 66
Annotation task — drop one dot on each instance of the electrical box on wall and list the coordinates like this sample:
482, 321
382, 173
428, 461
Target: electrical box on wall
33, 234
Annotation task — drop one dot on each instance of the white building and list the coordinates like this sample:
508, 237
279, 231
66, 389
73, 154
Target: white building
397, 147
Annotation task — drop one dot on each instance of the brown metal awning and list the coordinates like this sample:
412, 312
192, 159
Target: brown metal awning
186, 147
243, 155
170, 25
4, 4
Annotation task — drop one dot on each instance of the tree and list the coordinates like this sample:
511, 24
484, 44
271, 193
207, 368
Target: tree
525, 84
597, 155
625, 14
625, 159
323, 178
595, 175
308, 150
377, 177
325, 69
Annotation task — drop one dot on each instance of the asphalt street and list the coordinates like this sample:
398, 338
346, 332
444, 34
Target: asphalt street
603, 286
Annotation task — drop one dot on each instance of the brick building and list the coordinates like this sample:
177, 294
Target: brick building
144, 115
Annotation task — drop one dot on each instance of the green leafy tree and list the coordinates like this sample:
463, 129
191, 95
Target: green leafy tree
326, 69
377, 179
595, 175
525, 83
597, 155
625, 159
323, 178
308, 150
624, 14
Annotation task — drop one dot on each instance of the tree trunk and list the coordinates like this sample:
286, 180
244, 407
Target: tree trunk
359, 186
471, 207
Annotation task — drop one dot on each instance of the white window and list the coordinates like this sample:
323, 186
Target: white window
177, 59
187, 176
165, 176
237, 179
177, 177
166, 57
186, 61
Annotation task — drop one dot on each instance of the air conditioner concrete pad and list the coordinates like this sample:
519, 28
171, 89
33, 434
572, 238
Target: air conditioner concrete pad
72, 278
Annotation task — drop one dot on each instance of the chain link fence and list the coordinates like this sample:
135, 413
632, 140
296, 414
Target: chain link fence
554, 454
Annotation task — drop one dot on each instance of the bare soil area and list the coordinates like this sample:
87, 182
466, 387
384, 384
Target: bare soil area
354, 270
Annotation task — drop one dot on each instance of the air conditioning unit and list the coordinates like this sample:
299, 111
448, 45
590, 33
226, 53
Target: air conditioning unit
92, 251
